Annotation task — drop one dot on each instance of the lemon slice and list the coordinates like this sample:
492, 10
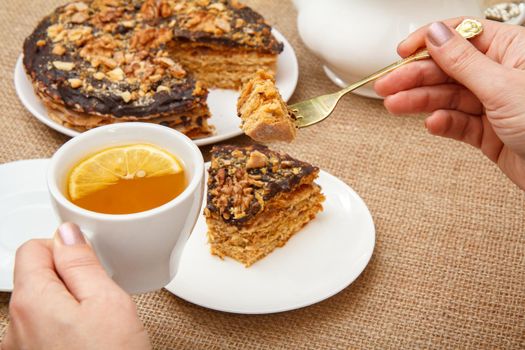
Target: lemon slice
111, 165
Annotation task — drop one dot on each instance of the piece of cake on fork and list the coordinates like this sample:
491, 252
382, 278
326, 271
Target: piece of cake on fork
257, 200
265, 116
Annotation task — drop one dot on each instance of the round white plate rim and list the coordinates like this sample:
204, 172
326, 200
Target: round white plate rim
363, 261
45, 119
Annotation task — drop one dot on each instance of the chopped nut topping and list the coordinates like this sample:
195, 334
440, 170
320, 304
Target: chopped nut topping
79, 17
149, 9
128, 58
58, 50
237, 154
165, 10
76, 7
256, 160
112, 3
99, 75
79, 35
239, 22
163, 88
54, 30
154, 78
128, 24
126, 96
119, 57
41, 43
217, 6
177, 71
75, 83
106, 61
116, 74
168, 62
223, 25
65, 66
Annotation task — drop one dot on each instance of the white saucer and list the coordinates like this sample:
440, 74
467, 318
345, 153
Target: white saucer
365, 91
321, 260
222, 103
25, 211
318, 262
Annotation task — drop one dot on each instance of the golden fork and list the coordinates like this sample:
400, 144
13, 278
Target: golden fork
313, 111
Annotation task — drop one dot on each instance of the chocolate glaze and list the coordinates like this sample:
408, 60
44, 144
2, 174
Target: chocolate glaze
276, 182
37, 58
269, 43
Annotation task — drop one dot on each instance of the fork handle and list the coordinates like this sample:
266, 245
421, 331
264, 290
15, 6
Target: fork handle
419, 55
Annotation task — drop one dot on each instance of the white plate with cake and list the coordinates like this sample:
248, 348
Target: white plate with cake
291, 240
93, 63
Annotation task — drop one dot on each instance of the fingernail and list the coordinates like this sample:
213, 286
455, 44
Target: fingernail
71, 234
439, 33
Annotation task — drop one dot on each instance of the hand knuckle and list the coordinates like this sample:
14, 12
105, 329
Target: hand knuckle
462, 59
26, 247
456, 96
79, 263
421, 71
18, 305
427, 100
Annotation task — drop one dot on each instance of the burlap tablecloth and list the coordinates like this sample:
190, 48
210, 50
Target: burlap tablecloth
448, 270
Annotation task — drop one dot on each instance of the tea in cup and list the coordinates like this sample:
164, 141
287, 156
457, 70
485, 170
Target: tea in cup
126, 179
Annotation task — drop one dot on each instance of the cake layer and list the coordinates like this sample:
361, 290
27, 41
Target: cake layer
272, 228
192, 123
265, 116
222, 67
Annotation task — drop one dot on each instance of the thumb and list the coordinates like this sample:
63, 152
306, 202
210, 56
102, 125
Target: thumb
463, 62
78, 266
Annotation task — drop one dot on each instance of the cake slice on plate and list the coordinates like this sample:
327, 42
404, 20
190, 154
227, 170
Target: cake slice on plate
265, 116
222, 42
257, 200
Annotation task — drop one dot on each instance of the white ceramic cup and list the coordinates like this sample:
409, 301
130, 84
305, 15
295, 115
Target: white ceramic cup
135, 249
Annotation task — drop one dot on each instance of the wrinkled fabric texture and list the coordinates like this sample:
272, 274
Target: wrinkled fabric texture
448, 270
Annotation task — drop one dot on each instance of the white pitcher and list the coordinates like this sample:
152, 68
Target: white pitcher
354, 38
